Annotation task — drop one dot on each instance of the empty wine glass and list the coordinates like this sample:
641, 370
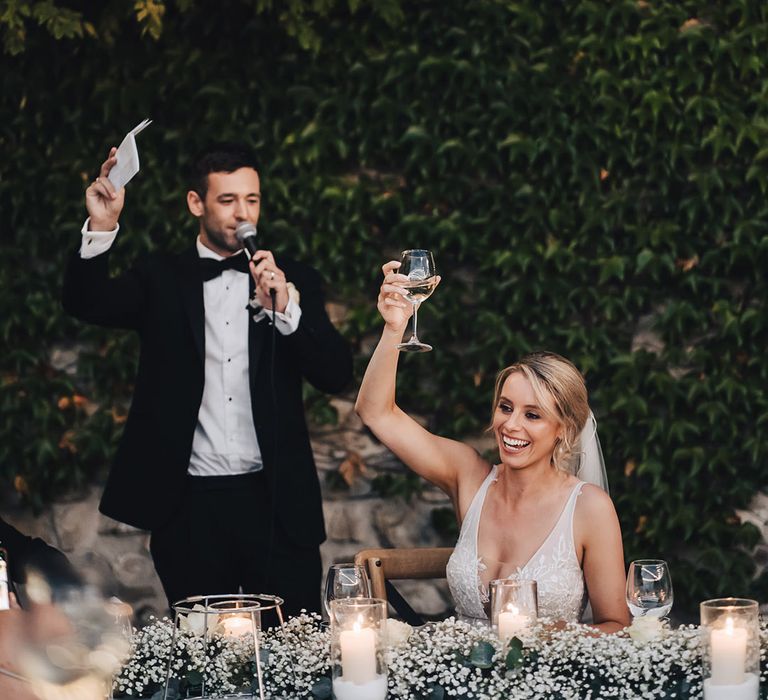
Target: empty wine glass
419, 267
345, 581
649, 588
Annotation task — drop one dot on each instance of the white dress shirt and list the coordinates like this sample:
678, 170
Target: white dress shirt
225, 441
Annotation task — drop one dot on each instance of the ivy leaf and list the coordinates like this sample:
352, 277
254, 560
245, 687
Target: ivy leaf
643, 258
612, 267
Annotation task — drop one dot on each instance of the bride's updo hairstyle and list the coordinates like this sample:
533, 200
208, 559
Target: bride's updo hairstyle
562, 395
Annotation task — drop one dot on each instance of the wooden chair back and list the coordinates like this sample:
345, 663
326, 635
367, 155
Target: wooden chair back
406, 563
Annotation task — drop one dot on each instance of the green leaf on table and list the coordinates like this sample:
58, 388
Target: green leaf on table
514, 657
482, 655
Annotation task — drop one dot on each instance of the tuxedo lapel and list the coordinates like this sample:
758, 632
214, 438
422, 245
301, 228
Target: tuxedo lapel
192, 295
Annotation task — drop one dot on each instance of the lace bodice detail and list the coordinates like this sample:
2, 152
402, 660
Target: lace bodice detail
554, 566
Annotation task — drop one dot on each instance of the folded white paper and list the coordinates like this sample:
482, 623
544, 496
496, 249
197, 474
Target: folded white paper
127, 158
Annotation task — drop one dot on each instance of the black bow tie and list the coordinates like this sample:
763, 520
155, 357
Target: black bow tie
210, 268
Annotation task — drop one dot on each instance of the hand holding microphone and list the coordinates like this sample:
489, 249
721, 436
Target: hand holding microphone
271, 285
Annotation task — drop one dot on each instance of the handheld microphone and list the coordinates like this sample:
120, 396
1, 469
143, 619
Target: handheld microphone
246, 234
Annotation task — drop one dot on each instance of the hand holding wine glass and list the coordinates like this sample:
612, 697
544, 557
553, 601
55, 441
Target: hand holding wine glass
415, 281
392, 304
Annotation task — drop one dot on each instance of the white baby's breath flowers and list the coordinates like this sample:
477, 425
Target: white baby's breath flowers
445, 659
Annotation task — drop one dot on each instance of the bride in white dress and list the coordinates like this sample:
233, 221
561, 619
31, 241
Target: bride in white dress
528, 515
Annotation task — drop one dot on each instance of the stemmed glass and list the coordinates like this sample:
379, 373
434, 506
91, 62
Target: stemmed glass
649, 588
345, 581
419, 267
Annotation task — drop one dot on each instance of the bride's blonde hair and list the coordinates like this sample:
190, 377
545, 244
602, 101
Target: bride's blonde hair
562, 395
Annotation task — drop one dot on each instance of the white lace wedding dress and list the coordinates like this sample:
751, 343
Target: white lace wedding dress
554, 566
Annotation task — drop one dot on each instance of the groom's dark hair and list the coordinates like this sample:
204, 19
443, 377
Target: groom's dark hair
224, 157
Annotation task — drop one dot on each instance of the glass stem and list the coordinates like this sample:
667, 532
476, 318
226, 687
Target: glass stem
415, 336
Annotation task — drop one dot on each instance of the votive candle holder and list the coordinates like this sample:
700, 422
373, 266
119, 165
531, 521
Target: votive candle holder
730, 649
514, 606
358, 648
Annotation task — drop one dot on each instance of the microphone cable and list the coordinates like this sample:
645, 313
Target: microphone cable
273, 485
246, 234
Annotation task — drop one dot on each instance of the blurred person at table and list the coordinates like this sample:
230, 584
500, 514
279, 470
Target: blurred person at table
215, 458
528, 516
43, 656
27, 553
13, 624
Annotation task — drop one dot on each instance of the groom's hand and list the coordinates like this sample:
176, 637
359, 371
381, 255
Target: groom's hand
103, 203
268, 276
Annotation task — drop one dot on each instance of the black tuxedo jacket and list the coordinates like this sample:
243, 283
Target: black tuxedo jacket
162, 299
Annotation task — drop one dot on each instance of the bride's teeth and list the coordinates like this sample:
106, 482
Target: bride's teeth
514, 442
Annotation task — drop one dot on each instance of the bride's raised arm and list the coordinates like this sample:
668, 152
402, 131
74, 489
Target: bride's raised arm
435, 458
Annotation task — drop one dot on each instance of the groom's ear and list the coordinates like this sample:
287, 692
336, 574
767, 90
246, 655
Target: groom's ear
195, 204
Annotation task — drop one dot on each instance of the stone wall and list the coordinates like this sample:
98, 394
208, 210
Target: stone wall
356, 518
348, 458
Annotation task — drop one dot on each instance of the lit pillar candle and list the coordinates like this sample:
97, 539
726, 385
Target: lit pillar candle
358, 654
511, 622
729, 654
237, 626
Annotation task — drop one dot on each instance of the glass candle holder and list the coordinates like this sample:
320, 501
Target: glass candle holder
230, 615
730, 649
358, 663
514, 606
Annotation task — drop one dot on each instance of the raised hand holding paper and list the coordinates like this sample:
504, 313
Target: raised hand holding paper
127, 157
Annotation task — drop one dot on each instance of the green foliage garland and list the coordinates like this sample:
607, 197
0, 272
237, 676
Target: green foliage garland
583, 172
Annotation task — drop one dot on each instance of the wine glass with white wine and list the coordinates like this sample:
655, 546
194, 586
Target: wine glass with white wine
419, 267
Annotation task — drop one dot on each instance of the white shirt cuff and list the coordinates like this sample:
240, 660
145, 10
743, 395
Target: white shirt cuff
96, 242
286, 322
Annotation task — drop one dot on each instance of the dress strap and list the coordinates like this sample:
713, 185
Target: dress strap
471, 520
570, 506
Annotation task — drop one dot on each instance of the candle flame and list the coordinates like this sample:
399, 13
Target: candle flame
729, 626
358, 625
513, 609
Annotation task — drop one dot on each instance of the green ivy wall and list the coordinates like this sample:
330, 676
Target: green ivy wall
582, 170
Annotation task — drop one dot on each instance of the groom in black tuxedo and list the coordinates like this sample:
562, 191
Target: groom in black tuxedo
215, 458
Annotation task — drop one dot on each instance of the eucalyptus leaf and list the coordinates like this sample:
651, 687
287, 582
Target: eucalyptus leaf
482, 655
